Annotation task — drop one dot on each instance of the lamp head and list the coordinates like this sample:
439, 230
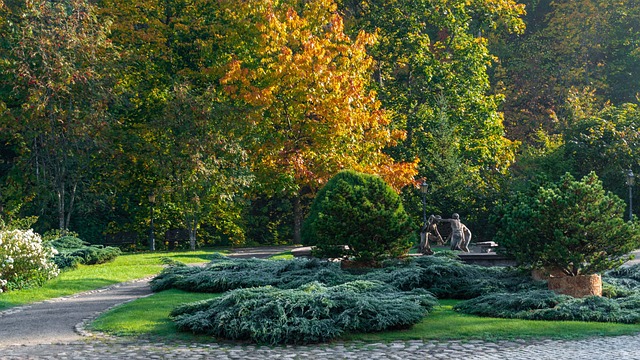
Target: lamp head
424, 187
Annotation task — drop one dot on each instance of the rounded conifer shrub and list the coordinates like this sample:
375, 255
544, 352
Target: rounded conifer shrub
359, 216
574, 226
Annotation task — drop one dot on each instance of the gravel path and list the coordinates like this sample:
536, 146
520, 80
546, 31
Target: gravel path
54, 329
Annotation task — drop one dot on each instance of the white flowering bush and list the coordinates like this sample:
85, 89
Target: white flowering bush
24, 261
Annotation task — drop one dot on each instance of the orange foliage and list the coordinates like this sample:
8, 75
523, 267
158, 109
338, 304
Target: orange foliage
306, 91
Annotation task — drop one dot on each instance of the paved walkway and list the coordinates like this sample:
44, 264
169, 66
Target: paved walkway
54, 329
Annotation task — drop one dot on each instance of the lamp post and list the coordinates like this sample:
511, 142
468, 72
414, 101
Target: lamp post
152, 240
423, 189
630, 182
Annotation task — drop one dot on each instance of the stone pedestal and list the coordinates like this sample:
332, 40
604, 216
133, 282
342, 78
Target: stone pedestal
577, 286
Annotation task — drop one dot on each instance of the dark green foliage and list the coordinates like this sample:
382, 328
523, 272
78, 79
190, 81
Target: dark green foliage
360, 211
626, 272
73, 251
67, 242
547, 305
573, 225
592, 308
443, 276
310, 314
511, 305
452, 279
621, 282
622, 303
227, 274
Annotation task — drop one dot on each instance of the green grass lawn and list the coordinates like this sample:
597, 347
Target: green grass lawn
124, 268
149, 317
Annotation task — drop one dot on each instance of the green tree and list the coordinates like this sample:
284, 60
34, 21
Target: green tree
362, 212
57, 58
606, 141
431, 70
569, 44
575, 226
172, 141
304, 110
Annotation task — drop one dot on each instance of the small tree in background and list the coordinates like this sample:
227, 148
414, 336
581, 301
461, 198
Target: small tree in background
361, 211
571, 225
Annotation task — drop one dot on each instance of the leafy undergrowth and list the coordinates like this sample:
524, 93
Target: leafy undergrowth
310, 314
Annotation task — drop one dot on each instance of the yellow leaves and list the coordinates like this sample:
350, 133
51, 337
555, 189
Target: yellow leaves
305, 86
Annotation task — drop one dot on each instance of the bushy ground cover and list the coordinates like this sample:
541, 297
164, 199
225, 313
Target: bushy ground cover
621, 303
441, 275
309, 300
277, 285
72, 251
309, 314
149, 317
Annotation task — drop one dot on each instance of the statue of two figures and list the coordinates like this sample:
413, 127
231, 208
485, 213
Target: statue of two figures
460, 235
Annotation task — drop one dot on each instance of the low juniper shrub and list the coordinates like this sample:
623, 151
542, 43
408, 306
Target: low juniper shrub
547, 305
224, 274
309, 314
442, 276
73, 251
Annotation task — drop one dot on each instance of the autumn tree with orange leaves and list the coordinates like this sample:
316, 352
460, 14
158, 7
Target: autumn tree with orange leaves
304, 108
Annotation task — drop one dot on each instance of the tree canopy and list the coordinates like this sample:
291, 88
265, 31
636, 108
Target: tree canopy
232, 114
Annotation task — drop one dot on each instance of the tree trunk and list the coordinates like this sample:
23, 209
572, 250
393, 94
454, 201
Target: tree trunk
192, 234
61, 207
297, 219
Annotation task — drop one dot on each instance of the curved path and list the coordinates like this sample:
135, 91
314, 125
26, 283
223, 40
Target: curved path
53, 329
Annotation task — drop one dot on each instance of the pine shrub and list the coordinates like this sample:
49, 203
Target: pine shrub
224, 274
575, 226
362, 212
442, 276
547, 305
309, 314
73, 251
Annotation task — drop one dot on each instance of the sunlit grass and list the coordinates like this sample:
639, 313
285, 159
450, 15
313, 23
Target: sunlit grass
286, 255
445, 324
149, 317
126, 267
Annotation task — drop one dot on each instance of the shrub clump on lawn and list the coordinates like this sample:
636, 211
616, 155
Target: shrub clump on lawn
362, 212
310, 314
223, 274
449, 278
575, 226
547, 305
73, 251
440, 275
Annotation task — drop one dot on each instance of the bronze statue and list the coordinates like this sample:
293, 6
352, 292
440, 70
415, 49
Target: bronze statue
429, 232
460, 234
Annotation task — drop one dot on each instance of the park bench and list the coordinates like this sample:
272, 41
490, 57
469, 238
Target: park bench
487, 246
175, 237
121, 239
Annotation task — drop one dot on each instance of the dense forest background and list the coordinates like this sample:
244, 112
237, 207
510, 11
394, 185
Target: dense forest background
224, 117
